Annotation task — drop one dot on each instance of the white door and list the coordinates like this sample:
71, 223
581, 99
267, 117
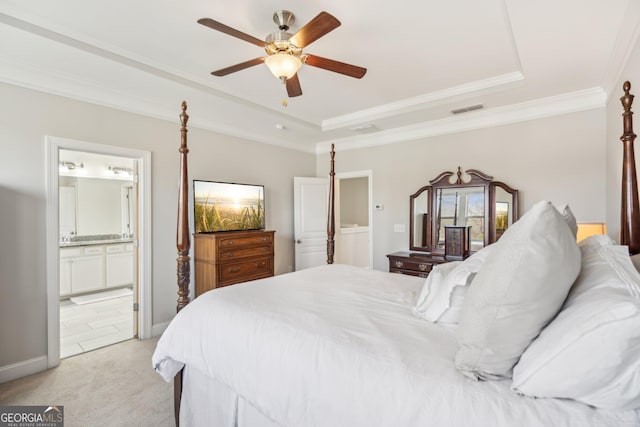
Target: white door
310, 200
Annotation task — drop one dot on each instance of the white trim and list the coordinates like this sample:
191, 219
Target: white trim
22, 369
363, 174
429, 100
52, 147
158, 328
537, 109
621, 53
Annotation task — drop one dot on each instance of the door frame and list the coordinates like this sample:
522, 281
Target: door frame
52, 147
361, 174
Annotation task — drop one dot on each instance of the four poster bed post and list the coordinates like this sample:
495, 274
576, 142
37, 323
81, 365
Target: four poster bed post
630, 209
629, 227
183, 243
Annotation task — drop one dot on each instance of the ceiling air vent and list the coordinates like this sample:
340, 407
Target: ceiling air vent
366, 128
467, 109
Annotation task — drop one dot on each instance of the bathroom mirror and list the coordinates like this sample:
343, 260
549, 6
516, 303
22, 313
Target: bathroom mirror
93, 206
470, 199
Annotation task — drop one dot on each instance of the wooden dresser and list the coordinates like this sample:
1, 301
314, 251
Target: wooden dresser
413, 263
230, 257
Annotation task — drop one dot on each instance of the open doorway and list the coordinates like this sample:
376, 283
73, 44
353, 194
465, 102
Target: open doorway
354, 230
98, 280
98, 246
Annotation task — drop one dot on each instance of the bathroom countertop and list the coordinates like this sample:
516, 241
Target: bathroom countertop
108, 241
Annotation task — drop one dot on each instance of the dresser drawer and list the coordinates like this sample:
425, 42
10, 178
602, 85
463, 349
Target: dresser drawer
412, 265
228, 254
231, 241
410, 272
247, 270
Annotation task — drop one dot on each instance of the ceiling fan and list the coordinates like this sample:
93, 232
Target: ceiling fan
284, 50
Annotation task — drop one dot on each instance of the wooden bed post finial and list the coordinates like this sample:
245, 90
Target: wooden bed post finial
331, 221
630, 209
183, 242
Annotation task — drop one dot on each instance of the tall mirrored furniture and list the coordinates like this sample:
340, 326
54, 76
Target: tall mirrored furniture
470, 207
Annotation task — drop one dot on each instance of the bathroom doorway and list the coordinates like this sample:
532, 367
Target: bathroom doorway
98, 265
354, 231
97, 205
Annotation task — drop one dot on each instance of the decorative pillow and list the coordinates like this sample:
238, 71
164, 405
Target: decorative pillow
520, 288
591, 351
570, 218
595, 241
443, 292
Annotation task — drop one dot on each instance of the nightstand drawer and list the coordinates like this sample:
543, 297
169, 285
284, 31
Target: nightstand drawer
260, 267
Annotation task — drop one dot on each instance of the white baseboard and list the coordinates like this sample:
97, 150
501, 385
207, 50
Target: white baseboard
22, 369
158, 329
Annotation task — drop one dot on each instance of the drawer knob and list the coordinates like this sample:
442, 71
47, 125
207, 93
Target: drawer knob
262, 264
399, 264
230, 242
234, 270
423, 267
423, 274
229, 254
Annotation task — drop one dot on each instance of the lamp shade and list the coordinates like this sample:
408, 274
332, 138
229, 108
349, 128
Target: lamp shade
586, 229
283, 65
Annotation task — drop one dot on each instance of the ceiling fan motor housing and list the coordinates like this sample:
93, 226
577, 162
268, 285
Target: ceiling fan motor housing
284, 19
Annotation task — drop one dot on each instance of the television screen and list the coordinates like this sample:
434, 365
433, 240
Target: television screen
224, 206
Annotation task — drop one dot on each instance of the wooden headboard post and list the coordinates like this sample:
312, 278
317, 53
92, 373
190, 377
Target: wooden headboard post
183, 243
331, 221
630, 209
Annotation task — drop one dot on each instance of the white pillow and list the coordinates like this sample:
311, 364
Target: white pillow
443, 292
519, 289
591, 350
595, 241
570, 219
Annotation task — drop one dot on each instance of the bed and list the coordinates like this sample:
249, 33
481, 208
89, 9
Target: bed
338, 345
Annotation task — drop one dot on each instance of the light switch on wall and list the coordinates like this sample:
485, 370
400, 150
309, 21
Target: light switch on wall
398, 228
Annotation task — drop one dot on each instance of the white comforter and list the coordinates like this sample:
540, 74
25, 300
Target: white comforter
338, 346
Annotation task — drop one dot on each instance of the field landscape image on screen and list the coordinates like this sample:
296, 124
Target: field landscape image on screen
223, 206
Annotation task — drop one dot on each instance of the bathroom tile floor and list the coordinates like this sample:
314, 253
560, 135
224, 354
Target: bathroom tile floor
89, 326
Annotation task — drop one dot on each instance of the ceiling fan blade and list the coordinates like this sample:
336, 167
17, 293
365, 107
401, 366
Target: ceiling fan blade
237, 67
314, 29
208, 22
293, 86
336, 66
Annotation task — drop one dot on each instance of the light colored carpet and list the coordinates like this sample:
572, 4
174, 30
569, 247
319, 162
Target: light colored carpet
101, 296
111, 386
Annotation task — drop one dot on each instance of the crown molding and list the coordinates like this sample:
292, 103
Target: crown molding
25, 75
429, 100
622, 50
587, 99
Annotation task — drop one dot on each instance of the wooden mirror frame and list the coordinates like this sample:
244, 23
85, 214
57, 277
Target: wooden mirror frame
475, 178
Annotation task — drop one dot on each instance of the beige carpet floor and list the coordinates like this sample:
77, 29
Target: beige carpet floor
111, 386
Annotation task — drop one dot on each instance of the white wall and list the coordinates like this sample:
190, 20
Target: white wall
561, 159
354, 201
26, 116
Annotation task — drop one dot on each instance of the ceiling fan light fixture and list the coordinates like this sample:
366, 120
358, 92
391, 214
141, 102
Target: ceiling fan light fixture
283, 65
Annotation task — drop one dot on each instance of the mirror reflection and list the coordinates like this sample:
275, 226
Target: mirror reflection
420, 219
463, 206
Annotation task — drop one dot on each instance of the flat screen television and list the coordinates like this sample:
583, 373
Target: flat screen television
226, 206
